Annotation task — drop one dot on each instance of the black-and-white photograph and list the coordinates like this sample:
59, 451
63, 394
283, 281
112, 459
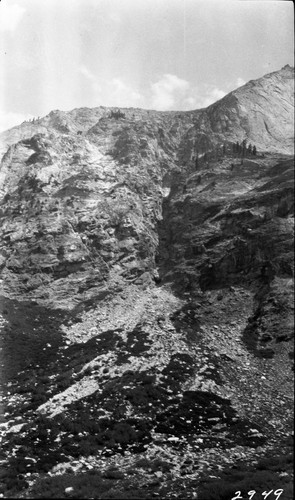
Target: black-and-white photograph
146, 249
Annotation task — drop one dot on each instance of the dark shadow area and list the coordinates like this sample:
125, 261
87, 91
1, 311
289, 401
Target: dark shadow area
30, 336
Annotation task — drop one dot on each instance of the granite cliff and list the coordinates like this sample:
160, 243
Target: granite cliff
145, 261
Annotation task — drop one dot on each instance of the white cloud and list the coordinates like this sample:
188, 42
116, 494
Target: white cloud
209, 95
234, 84
87, 73
190, 102
113, 92
168, 92
122, 94
96, 88
240, 82
172, 92
11, 119
10, 16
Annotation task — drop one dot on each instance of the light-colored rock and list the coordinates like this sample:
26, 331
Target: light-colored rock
69, 490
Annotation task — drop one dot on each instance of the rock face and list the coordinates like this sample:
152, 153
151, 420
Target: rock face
82, 191
236, 228
76, 217
145, 260
245, 112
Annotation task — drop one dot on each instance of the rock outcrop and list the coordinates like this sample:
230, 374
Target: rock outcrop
146, 260
82, 197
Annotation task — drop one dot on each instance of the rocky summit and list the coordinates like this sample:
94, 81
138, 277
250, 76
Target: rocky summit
146, 312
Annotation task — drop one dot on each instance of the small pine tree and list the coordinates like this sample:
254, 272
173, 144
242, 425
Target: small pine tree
250, 149
254, 150
117, 114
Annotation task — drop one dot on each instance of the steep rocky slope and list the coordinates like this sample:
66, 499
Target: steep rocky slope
145, 262
84, 193
260, 110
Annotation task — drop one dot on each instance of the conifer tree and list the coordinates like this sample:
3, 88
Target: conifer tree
254, 151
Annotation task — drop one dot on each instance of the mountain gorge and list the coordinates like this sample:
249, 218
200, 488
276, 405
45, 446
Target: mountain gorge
146, 299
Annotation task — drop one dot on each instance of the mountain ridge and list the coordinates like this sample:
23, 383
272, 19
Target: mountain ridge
40, 125
146, 260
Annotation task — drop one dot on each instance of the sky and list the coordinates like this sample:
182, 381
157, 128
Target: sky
153, 54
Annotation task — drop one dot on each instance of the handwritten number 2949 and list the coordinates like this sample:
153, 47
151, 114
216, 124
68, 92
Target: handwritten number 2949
265, 494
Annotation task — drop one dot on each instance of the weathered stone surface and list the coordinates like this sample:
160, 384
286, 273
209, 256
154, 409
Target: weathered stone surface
75, 205
146, 294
